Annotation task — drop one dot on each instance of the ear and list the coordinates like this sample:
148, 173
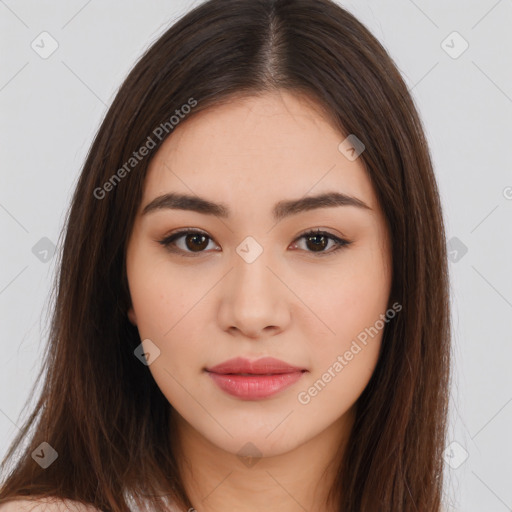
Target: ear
131, 316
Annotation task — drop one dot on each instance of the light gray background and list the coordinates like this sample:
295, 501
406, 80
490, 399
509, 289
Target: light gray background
51, 109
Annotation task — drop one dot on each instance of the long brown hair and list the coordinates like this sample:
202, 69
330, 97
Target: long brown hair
99, 407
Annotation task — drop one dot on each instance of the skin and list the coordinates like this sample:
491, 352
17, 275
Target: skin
291, 303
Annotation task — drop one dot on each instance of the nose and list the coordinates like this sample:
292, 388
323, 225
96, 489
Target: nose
254, 301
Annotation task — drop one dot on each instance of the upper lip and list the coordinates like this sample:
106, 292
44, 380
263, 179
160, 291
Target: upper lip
265, 365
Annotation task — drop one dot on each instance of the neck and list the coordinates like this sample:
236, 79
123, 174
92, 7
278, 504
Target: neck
217, 480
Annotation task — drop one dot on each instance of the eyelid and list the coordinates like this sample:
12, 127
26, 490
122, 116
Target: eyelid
169, 239
340, 241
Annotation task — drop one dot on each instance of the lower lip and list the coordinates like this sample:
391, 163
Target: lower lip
254, 387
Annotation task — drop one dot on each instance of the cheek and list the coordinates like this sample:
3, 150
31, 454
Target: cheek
160, 296
168, 304
350, 300
345, 352
343, 363
164, 306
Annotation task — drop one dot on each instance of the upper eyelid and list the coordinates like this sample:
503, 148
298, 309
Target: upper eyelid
339, 241
185, 231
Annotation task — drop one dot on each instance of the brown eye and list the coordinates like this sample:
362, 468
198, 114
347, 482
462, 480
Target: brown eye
193, 242
196, 241
318, 241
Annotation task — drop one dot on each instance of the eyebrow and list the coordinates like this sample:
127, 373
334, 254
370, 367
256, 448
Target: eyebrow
281, 210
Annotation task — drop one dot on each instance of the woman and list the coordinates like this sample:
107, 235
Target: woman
246, 313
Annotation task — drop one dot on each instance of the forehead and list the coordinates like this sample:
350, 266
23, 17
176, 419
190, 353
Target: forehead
272, 145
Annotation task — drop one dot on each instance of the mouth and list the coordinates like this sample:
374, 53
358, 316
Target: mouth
256, 380
263, 366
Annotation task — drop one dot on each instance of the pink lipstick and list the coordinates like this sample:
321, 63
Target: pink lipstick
254, 380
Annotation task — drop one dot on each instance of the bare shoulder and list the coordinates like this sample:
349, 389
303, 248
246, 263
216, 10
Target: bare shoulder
46, 505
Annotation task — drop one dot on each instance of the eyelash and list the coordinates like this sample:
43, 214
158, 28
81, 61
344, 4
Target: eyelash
168, 241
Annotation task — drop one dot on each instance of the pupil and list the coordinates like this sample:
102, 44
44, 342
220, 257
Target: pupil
196, 246
322, 246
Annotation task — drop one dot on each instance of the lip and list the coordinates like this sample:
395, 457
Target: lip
262, 366
254, 380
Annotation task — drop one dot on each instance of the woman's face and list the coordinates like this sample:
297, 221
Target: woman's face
247, 283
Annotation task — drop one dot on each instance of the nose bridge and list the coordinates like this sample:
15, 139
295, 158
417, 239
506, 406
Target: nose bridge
251, 299
251, 261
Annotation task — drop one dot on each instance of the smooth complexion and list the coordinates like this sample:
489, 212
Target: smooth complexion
201, 303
